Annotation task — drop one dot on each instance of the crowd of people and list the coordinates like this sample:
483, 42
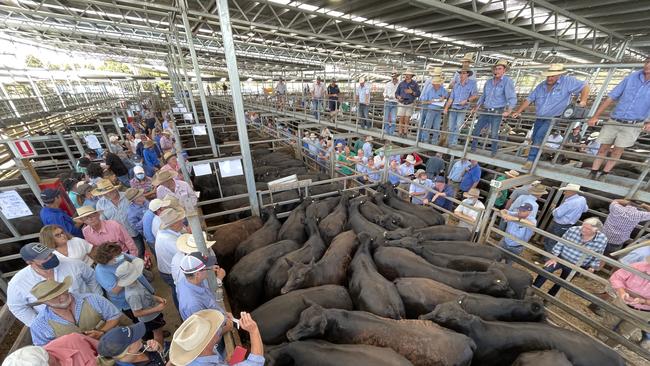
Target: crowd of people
86, 292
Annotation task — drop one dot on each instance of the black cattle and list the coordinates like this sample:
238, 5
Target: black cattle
467, 248
437, 233
321, 353
500, 343
266, 235
293, 228
321, 208
374, 214
425, 213
406, 219
360, 224
542, 358
335, 222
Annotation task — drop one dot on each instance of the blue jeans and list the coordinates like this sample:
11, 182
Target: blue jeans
540, 128
515, 250
124, 179
540, 279
315, 107
456, 120
169, 280
431, 121
390, 116
484, 120
362, 111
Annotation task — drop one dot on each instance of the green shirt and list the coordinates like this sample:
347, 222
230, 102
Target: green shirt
344, 169
503, 195
358, 145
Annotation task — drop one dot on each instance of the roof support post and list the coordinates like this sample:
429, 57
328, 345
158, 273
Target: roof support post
237, 102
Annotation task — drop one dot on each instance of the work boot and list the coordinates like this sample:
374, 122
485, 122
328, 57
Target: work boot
527, 165
592, 174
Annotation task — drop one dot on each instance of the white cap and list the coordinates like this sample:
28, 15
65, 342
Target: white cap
156, 204
113, 138
138, 169
28, 356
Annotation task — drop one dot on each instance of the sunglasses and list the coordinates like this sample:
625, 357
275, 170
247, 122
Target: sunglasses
59, 234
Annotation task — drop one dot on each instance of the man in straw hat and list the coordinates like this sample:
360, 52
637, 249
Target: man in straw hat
418, 188
627, 120
43, 264
66, 312
194, 293
166, 141
551, 97
98, 231
167, 185
362, 98
566, 214
407, 92
172, 225
432, 100
194, 341
462, 95
470, 209
390, 103
496, 102
466, 61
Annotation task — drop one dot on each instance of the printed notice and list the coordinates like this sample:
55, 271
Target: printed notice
187, 116
13, 206
176, 110
119, 122
230, 168
92, 142
202, 169
199, 130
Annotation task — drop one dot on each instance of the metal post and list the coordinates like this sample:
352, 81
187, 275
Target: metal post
104, 135
199, 82
117, 126
37, 92
58, 93
237, 101
77, 142
67, 149
492, 197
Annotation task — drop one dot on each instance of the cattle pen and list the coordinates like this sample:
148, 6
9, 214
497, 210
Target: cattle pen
311, 132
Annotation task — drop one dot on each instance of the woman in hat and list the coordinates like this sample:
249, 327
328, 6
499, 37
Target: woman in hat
123, 346
66, 245
470, 209
141, 181
151, 164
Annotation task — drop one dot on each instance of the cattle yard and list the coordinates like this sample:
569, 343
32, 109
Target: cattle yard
303, 236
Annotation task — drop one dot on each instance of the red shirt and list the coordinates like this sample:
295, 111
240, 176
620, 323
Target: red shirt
73, 349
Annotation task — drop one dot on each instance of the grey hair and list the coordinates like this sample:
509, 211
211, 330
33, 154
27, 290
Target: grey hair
595, 222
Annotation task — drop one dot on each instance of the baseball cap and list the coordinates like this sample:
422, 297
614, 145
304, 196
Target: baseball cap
116, 340
157, 203
439, 179
48, 195
138, 169
525, 207
34, 251
195, 262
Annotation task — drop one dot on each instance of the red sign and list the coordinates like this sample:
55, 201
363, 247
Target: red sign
23, 149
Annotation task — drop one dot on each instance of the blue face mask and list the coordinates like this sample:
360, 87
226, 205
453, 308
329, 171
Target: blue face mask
140, 176
119, 259
381, 153
50, 263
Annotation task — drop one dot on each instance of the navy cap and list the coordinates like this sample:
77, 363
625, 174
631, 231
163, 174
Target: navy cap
118, 339
525, 207
32, 251
49, 195
439, 179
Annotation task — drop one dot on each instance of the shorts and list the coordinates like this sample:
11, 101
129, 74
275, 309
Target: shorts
156, 323
404, 110
620, 134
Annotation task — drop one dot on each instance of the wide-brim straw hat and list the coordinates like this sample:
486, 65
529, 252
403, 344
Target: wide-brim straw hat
409, 72
186, 243
168, 155
171, 216
502, 62
133, 193
148, 143
593, 136
436, 80
163, 176
512, 174
468, 57
103, 186
469, 71
49, 289
571, 187
435, 71
410, 159
128, 272
420, 171
194, 335
554, 69
369, 139
538, 190
84, 211
167, 132
473, 192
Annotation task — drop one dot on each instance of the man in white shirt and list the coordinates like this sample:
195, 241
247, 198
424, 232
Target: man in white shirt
280, 92
317, 94
390, 104
42, 265
554, 140
171, 227
470, 209
362, 98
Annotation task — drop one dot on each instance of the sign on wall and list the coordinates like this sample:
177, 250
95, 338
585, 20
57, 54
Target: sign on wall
22, 149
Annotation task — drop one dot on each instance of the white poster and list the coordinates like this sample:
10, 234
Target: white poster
202, 169
188, 116
119, 122
13, 206
182, 110
230, 168
92, 142
176, 110
199, 130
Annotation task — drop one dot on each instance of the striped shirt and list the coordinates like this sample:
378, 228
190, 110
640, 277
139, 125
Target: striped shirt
573, 255
621, 221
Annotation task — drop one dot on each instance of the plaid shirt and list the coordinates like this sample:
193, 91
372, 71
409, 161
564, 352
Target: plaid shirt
573, 255
621, 221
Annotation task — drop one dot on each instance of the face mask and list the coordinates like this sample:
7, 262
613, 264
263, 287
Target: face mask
50, 263
119, 259
140, 176
381, 154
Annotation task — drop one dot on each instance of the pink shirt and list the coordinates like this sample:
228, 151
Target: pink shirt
111, 231
182, 189
634, 283
73, 349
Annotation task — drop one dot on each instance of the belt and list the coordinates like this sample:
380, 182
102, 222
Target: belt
630, 121
493, 109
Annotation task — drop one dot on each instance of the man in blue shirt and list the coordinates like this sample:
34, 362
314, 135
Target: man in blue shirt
443, 191
457, 171
51, 214
551, 97
406, 93
363, 103
432, 100
463, 93
192, 289
418, 189
471, 177
516, 221
629, 117
497, 101
567, 214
